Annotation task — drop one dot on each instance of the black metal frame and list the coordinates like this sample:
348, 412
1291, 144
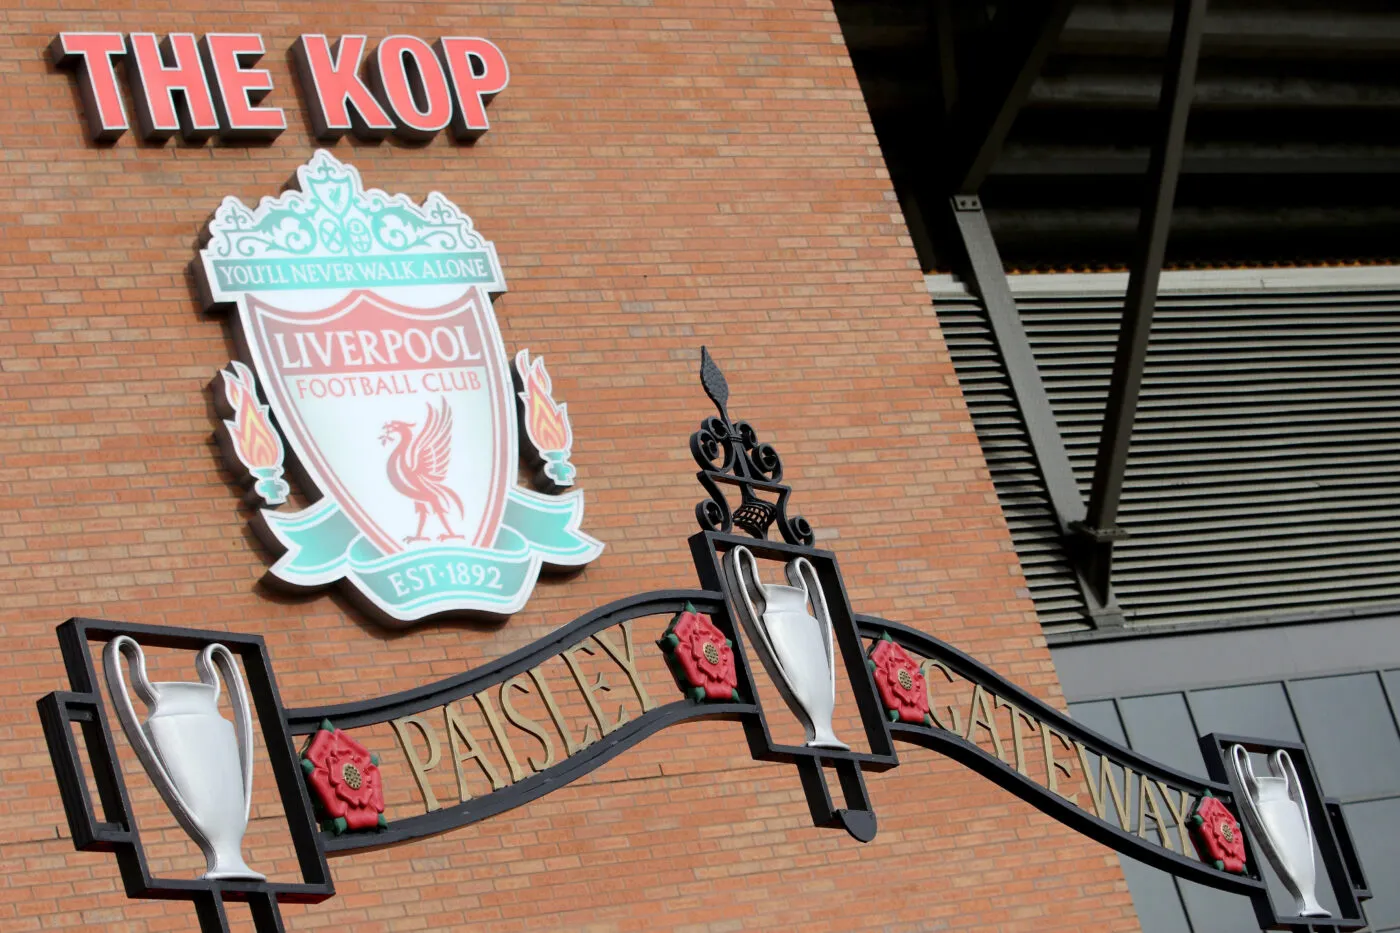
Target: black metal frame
117, 832
307, 720
1037, 795
1329, 828
857, 817
729, 454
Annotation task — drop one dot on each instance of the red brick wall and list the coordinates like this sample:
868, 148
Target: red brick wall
658, 175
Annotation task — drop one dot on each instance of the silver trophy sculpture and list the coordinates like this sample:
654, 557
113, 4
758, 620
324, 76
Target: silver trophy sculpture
1277, 814
799, 648
201, 764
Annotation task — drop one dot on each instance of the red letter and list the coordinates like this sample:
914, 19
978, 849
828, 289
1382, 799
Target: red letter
332, 85
154, 87
237, 87
479, 72
92, 55
402, 88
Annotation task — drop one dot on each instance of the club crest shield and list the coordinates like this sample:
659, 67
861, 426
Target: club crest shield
367, 321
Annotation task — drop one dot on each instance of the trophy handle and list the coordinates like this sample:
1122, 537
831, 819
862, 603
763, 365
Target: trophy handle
1282, 766
217, 656
140, 743
1244, 768
803, 575
1249, 784
743, 567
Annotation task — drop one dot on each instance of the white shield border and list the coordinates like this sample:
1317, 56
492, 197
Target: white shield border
309, 475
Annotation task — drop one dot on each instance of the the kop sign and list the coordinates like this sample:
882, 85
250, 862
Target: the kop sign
208, 87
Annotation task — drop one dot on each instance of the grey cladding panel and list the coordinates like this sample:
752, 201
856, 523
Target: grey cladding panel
1345, 720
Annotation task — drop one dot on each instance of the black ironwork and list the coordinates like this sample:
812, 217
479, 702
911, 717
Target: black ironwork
306, 721
1098, 531
730, 453
1329, 829
1333, 837
116, 831
1007, 777
857, 817
755, 468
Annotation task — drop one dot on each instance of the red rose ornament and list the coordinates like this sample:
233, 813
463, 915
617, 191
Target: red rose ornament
344, 779
900, 683
1218, 835
700, 657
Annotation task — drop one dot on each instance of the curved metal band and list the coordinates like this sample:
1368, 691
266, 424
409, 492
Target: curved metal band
382, 709
307, 719
1037, 795
544, 782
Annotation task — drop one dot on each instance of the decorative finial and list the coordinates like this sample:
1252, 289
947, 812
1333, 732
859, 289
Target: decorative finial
713, 380
729, 453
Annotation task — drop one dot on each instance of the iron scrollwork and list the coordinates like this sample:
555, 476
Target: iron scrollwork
729, 453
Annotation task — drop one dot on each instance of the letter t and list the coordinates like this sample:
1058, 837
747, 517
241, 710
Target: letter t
93, 56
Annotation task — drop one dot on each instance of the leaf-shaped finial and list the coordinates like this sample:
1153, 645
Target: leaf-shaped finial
713, 381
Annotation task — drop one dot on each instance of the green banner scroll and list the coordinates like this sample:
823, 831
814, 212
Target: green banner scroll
323, 545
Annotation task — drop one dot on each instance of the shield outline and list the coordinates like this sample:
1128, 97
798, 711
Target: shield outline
316, 479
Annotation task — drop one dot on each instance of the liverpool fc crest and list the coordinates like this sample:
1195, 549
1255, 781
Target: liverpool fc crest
367, 321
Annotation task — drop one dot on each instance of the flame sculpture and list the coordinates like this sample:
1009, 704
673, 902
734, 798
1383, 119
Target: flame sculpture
546, 423
256, 443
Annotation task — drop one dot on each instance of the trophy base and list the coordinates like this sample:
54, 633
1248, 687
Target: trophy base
832, 742
227, 872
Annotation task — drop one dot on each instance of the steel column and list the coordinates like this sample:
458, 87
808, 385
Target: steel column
1099, 529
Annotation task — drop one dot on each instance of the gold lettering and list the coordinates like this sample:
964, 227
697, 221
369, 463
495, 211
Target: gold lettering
1017, 732
420, 767
1148, 810
981, 713
953, 715
524, 722
1179, 815
493, 722
458, 734
1052, 763
570, 657
1096, 788
627, 660
570, 746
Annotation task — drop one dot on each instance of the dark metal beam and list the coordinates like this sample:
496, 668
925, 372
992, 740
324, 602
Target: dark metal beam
1099, 529
991, 97
987, 278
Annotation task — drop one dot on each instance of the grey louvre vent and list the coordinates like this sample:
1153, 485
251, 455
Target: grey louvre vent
1011, 460
1264, 478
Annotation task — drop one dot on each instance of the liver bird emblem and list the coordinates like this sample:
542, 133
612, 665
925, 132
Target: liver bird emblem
418, 469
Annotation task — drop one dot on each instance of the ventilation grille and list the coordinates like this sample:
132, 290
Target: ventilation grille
1012, 462
1264, 474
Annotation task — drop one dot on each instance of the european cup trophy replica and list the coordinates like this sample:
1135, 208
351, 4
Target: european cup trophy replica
201, 764
796, 646
1277, 814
